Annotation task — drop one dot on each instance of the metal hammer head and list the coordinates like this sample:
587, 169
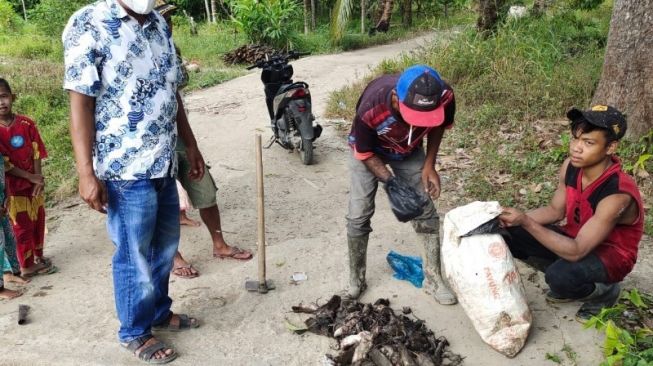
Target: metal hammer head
261, 288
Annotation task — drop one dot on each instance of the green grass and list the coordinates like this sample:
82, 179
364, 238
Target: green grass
206, 49
512, 92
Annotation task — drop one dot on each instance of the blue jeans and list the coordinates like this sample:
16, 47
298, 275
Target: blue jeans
143, 223
570, 280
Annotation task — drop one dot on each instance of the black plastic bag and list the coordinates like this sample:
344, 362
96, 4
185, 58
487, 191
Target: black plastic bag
405, 201
491, 227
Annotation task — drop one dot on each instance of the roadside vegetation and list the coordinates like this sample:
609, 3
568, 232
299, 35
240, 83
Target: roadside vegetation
512, 92
628, 328
31, 58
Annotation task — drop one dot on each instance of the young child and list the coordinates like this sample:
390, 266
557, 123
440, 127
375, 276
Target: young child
8, 261
23, 149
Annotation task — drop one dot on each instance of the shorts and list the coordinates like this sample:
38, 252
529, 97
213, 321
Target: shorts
201, 192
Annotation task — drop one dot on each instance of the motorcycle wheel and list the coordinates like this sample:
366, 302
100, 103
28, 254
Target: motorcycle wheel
306, 151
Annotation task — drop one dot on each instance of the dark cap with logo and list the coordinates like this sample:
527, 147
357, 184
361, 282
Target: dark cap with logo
603, 116
419, 90
164, 8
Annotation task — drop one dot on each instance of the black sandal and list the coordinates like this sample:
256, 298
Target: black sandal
147, 354
185, 323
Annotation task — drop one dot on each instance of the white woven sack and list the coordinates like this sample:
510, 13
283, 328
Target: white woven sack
483, 275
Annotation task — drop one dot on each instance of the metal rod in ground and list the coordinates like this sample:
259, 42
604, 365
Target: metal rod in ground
261, 216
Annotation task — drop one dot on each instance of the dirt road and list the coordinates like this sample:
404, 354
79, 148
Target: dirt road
73, 318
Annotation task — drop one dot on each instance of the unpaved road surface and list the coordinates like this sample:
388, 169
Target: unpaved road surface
73, 321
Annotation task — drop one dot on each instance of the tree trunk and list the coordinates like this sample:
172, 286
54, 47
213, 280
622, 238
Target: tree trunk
313, 15
384, 22
214, 12
407, 16
488, 15
446, 10
24, 10
362, 16
208, 11
306, 5
379, 11
627, 77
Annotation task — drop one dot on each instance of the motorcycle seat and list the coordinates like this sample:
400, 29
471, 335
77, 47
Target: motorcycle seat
299, 84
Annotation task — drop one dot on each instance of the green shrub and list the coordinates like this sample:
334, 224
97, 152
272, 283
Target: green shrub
51, 16
8, 18
268, 22
585, 4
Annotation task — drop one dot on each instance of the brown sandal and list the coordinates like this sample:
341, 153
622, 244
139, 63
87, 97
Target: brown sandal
235, 252
147, 353
185, 323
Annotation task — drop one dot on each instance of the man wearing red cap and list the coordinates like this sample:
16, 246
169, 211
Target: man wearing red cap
393, 115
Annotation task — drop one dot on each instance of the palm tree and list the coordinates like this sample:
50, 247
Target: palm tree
214, 12
339, 19
208, 11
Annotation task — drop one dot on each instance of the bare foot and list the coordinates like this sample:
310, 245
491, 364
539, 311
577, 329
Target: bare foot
12, 278
185, 220
9, 294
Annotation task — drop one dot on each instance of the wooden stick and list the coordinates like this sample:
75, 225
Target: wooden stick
261, 215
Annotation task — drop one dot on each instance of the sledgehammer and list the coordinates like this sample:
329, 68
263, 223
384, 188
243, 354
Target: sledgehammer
262, 285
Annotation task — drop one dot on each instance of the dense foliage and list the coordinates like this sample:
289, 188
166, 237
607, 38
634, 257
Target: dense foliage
269, 22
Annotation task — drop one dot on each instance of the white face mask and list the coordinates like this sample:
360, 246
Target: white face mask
140, 6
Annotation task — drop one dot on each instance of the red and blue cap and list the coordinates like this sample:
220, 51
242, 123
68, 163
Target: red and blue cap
419, 90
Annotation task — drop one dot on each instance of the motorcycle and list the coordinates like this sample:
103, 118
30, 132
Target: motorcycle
289, 105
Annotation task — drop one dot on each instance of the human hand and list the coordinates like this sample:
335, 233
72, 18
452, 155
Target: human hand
38, 188
93, 193
196, 163
512, 217
36, 179
431, 182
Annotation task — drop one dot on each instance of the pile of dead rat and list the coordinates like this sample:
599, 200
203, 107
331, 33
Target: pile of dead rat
376, 334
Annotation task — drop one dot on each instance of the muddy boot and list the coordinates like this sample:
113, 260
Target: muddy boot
357, 266
434, 282
605, 295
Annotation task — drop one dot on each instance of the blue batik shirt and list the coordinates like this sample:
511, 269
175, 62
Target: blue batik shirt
133, 73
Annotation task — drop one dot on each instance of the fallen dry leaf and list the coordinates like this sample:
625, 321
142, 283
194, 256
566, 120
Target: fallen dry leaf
536, 187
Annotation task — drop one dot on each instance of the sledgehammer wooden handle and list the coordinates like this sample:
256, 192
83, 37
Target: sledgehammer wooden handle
261, 215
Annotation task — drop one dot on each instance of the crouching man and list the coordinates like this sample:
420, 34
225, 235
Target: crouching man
587, 257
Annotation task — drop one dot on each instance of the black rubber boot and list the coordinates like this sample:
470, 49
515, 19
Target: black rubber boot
605, 295
357, 265
432, 270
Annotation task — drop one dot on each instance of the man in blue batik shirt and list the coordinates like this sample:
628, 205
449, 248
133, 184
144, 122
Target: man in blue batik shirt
121, 72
